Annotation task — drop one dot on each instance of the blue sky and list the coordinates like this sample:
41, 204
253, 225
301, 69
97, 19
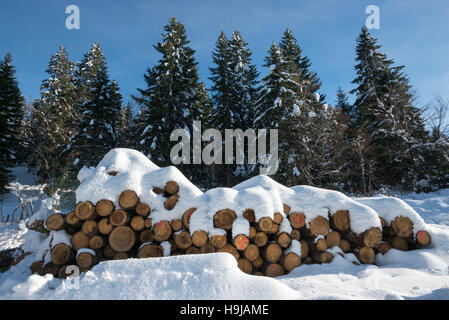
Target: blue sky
414, 33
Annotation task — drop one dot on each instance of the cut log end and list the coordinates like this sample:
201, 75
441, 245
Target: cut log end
200, 238
186, 217
399, 243
171, 201
176, 224
122, 238
245, 265
344, 245
333, 239
61, 253
162, 231
143, 209
97, 242
278, 217
319, 226
224, 219
372, 237
84, 210
183, 240
249, 215
104, 226
297, 220
90, 228
137, 223
340, 220
265, 224
290, 261
128, 199
241, 242
260, 239
55, 222
423, 237
79, 241
150, 251
284, 240
366, 255
119, 218
85, 261
218, 241
251, 252
273, 253
384, 248
171, 187
321, 244
104, 207
402, 226
274, 270
230, 249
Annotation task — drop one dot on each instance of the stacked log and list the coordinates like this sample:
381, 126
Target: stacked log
102, 232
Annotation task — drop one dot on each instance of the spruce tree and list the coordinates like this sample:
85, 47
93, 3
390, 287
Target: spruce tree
98, 104
394, 127
234, 95
54, 120
11, 116
173, 97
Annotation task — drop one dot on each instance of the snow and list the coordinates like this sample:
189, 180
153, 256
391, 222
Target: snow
417, 274
240, 226
388, 208
85, 250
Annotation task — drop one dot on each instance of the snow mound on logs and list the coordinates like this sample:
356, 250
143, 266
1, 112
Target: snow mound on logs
389, 208
123, 169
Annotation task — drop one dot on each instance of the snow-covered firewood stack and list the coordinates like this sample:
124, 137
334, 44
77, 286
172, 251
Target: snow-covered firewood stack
127, 207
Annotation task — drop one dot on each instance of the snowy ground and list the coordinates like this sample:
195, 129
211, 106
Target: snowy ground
419, 274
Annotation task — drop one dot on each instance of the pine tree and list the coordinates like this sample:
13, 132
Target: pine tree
173, 98
54, 120
11, 115
99, 105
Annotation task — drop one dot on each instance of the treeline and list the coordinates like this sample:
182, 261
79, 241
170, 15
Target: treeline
382, 140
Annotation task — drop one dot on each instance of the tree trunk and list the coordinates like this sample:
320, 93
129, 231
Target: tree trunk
372, 237
146, 236
97, 242
399, 243
249, 215
344, 245
85, 261
230, 249
72, 220
278, 217
265, 224
176, 224
260, 239
366, 255
423, 237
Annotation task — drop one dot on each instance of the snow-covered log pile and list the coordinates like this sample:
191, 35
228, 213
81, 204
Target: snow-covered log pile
127, 207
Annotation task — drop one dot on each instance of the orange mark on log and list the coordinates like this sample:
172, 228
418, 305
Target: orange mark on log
298, 219
161, 224
242, 242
